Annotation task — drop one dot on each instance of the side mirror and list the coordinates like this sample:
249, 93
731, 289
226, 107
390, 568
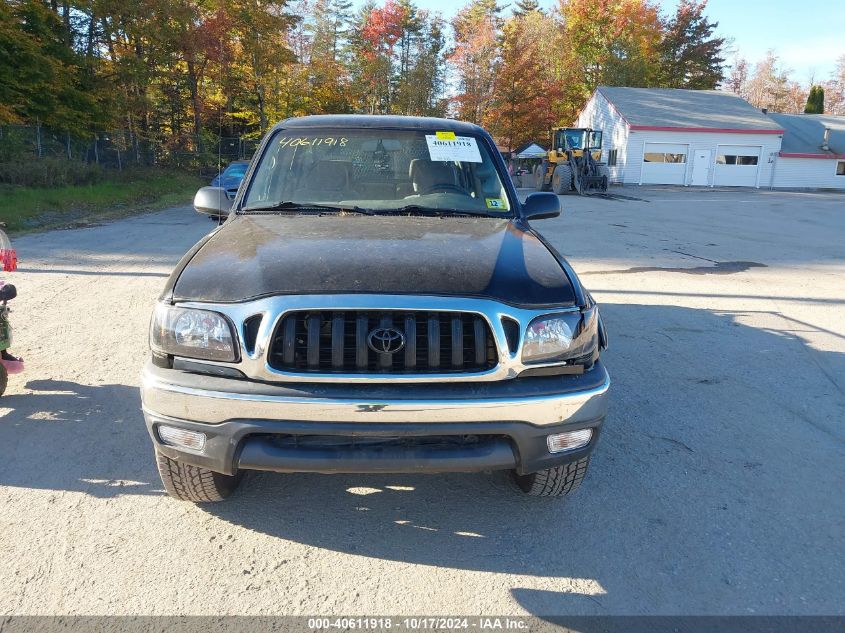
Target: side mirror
212, 201
539, 206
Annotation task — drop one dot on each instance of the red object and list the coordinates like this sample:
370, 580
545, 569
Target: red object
798, 155
12, 366
720, 130
9, 257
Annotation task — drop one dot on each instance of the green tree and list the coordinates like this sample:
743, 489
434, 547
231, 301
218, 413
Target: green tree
41, 71
329, 89
421, 80
524, 7
815, 101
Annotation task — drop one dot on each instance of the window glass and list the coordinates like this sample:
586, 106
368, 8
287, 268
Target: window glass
611, 158
236, 169
655, 157
840, 168
730, 159
574, 139
378, 169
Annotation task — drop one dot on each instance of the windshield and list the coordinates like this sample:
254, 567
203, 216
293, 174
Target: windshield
235, 169
377, 171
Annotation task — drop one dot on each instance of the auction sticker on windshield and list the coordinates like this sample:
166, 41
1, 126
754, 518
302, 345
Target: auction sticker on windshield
460, 149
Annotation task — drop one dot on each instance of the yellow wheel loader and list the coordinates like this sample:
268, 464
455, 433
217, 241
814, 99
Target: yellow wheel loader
573, 163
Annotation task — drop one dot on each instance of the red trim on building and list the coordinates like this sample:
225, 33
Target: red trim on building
794, 155
718, 130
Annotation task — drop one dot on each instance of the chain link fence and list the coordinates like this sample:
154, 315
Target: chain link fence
121, 149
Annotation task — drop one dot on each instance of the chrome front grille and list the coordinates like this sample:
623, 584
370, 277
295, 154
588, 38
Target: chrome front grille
343, 341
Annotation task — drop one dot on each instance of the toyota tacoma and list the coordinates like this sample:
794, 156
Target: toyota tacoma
377, 301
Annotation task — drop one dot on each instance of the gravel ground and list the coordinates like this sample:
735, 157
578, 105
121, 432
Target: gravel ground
717, 487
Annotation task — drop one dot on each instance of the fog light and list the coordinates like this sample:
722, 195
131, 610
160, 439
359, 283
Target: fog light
181, 438
571, 440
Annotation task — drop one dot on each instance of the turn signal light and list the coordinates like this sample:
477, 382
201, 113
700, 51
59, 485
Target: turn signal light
181, 438
569, 441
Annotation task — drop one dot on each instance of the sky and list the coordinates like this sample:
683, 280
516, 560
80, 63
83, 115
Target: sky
807, 35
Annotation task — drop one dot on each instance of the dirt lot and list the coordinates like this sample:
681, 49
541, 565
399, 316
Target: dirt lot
717, 487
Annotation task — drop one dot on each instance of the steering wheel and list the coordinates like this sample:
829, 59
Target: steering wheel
445, 188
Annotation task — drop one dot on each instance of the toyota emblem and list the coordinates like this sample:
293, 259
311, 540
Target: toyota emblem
385, 340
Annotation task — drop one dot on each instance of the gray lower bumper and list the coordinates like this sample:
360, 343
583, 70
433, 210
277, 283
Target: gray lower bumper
241, 418
495, 453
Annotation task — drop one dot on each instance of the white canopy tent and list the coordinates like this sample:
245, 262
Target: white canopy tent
532, 151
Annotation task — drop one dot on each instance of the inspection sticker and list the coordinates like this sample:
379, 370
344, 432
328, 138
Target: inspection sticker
495, 203
462, 148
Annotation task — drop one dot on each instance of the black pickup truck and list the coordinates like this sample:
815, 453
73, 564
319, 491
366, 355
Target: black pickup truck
377, 301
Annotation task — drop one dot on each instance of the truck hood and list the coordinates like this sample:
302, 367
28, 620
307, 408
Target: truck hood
260, 255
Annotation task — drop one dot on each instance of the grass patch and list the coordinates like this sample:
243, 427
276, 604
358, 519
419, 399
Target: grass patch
32, 208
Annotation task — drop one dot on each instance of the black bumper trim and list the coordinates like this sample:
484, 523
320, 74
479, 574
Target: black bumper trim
261, 454
233, 445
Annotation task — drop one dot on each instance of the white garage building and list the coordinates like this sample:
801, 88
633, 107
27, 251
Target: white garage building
683, 137
813, 151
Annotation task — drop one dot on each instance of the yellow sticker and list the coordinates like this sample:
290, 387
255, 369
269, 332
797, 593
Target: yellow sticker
495, 203
445, 136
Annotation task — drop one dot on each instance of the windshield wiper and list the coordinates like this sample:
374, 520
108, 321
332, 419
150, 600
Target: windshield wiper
417, 209
306, 206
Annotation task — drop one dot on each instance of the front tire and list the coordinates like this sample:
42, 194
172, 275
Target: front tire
4, 379
553, 482
562, 180
192, 483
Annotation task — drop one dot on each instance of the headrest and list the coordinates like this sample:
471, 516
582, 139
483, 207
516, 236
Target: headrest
330, 174
426, 174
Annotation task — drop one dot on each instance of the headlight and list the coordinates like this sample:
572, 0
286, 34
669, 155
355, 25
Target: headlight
562, 337
192, 333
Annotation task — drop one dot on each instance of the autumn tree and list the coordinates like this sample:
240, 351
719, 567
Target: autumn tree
176, 73
524, 88
329, 78
421, 79
835, 89
257, 25
615, 42
398, 59
768, 86
737, 81
377, 30
690, 54
475, 57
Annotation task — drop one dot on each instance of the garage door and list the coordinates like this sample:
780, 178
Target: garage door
737, 165
664, 164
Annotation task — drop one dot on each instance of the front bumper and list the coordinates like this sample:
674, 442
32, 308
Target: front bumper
243, 420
